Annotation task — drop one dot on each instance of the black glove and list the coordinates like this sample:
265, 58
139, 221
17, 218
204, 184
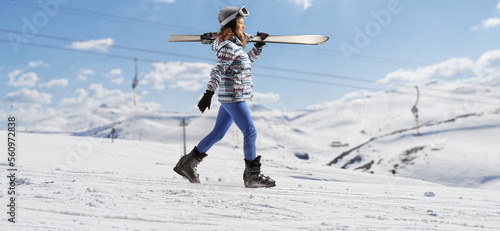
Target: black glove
205, 101
262, 36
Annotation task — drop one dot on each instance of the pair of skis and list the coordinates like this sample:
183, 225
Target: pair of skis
208, 38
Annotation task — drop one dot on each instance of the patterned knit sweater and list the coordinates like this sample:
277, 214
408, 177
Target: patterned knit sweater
232, 73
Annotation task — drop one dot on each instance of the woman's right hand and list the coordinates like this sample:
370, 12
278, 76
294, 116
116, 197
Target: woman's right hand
262, 36
205, 101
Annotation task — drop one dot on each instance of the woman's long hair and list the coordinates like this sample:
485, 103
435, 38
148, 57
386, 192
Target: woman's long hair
226, 32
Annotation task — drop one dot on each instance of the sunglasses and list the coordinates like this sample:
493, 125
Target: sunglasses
242, 12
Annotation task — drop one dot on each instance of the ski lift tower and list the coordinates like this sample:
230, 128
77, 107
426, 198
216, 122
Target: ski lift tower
184, 124
135, 82
414, 110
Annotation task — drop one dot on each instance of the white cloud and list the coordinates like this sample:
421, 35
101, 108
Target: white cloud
12, 75
263, 98
489, 63
100, 44
476, 27
116, 75
188, 85
115, 72
80, 95
98, 91
490, 59
55, 83
452, 69
84, 73
26, 96
18, 79
97, 95
188, 76
304, 3
118, 80
35, 63
491, 22
488, 23
32, 114
165, 1
351, 96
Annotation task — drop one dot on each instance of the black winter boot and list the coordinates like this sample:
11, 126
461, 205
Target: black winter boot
187, 165
252, 176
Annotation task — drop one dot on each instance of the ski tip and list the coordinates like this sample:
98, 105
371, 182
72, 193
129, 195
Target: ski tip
317, 39
326, 38
172, 38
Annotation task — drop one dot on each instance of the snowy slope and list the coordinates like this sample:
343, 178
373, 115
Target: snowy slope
457, 142
82, 183
376, 131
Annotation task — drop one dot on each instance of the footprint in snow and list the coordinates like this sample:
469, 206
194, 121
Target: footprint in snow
432, 213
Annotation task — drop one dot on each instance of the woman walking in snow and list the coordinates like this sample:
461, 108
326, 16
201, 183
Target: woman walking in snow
232, 74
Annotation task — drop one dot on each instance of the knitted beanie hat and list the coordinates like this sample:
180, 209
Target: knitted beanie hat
230, 13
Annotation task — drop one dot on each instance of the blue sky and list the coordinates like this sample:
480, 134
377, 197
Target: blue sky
60, 56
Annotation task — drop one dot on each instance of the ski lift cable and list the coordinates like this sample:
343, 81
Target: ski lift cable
80, 51
114, 46
134, 20
367, 88
349, 78
102, 16
196, 57
108, 17
315, 82
315, 73
155, 61
369, 58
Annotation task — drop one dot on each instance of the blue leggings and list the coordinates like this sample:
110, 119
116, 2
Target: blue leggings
229, 112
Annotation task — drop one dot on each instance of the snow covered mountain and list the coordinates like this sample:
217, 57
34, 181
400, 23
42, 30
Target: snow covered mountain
375, 132
337, 167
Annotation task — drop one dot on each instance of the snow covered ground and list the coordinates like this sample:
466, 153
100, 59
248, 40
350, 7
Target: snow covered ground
456, 143
368, 166
80, 183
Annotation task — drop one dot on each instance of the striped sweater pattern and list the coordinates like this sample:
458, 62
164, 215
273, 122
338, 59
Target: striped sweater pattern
232, 72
